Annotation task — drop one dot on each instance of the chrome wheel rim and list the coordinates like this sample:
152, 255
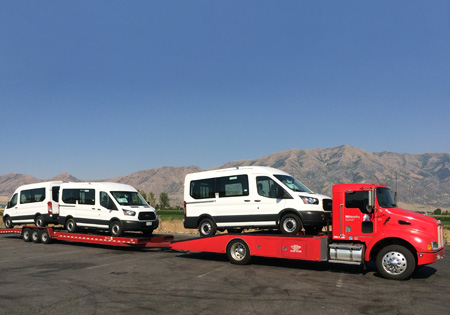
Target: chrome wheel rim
289, 225
206, 228
394, 263
238, 251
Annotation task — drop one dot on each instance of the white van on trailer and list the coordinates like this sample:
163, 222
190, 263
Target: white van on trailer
33, 203
105, 206
252, 197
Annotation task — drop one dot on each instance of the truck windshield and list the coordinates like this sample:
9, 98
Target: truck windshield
292, 183
385, 199
129, 198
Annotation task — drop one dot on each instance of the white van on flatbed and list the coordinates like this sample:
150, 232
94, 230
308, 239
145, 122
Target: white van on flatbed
105, 206
252, 197
33, 203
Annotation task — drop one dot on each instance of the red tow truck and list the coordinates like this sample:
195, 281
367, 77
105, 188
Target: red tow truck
366, 225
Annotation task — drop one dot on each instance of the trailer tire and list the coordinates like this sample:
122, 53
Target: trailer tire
71, 225
207, 227
39, 220
116, 229
238, 252
45, 237
290, 224
36, 236
8, 222
26, 234
396, 262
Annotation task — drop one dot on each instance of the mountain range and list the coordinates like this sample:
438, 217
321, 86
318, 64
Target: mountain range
422, 181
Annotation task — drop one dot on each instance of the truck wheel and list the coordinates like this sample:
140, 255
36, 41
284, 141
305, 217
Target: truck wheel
116, 229
8, 223
396, 262
238, 252
36, 236
45, 237
26, 235
39, 220
290, 224
207, 227
71, 225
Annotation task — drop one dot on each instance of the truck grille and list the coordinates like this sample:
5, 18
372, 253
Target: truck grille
327, 204
440, 236
147, 216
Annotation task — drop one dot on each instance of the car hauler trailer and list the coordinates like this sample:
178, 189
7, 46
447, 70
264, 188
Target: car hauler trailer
46, 235
366, 225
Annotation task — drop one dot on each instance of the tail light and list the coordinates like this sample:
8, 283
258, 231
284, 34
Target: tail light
185, 204
49, 207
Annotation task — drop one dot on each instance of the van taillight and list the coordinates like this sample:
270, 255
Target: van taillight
185, 209
49, 207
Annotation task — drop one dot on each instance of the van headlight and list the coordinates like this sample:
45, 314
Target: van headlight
310, 200
128, 212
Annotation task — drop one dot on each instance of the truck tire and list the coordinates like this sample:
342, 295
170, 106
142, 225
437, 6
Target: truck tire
36, 236
26, 234
45, 237
207, 227
116, 229
396, 262
290, 224
39, 220
71, 225
8, 223
238, 252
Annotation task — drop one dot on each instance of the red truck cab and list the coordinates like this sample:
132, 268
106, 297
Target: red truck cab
398, 239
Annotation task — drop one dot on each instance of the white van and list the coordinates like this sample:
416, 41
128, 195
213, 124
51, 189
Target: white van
33, 203
105, 206
252, 197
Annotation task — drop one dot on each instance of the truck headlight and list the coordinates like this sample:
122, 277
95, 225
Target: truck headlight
433, 246
129, 212
310, 200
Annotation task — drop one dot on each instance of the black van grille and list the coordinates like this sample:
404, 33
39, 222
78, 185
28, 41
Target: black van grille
147, 216
327, 204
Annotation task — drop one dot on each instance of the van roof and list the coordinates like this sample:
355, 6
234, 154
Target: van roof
238, 170
100, 185
39, 185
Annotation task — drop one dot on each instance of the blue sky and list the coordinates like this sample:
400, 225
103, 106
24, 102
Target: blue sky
100, 89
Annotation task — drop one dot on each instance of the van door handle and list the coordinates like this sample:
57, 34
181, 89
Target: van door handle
257, 200
246, 200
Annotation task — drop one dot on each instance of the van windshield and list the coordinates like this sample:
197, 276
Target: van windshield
129, 198
292, 183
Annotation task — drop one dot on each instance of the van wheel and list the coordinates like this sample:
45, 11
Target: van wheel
116, 229
147, 232
71, 225
207, 227
45, 237
290, 224
39, 220
396, 262
8, 223
36, 236
238, 252
26, 235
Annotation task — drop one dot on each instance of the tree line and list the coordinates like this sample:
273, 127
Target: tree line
163, 199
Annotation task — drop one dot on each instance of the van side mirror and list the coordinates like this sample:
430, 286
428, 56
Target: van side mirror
280, 193
8, 205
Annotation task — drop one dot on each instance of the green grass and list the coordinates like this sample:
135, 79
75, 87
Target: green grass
445, 219
171, 215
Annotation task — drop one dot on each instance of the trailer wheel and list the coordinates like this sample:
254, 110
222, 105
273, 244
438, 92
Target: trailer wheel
26, 234
290, 224
71, 225
207, 227
238, 252
36, 236
396, 262
8, 222
45, 237
39, 220
116, 229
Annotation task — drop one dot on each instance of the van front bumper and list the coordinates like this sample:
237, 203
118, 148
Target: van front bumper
315, 218
140, 225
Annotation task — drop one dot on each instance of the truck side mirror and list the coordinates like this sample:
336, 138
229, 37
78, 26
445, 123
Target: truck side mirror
369, 208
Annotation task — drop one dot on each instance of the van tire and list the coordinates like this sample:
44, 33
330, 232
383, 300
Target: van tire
147, 232
71, 225
26, 234
8, 222
36, 236
290, 224
116, 229
39, 220
238, 252
207, 227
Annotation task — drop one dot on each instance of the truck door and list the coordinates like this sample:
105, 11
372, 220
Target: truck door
356, 218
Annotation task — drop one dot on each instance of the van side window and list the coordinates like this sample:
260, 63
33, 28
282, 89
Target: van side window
106, 201
203, 188
32, 195
55, 193
83, 196
13, 201
268, 188
232, 186
357, 199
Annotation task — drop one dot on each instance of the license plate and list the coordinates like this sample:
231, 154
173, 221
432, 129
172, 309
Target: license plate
148, 223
